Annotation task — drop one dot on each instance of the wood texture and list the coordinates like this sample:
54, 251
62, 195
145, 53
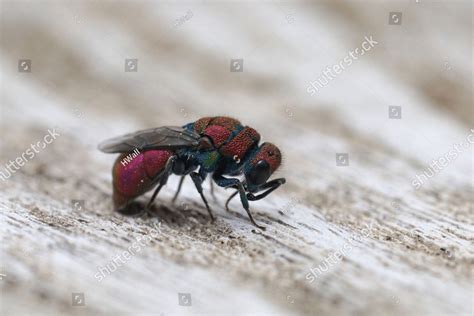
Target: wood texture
382, 246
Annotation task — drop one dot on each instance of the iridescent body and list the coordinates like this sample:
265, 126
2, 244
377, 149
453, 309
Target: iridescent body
133, 178
220, 146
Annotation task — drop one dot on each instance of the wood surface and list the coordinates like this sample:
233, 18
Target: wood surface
378, 244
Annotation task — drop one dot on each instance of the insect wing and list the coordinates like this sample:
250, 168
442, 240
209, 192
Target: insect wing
166, 137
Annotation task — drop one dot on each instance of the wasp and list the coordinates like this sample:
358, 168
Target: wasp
217, 146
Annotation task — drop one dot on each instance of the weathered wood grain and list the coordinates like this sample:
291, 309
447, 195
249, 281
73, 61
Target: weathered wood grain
376, 243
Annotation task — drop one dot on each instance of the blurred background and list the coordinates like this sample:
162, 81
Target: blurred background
352, 151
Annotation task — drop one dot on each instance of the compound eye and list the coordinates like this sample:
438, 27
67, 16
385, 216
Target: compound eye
260, 173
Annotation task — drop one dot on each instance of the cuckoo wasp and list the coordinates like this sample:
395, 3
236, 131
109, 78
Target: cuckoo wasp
219, 146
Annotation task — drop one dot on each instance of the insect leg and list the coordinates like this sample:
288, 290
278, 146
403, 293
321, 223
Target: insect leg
228, 200
157, 190
245, 204
179, 188
230, 182
162, 178
226, 183
273, 185
212, 190
198, 179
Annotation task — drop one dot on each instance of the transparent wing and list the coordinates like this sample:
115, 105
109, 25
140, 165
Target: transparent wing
166, 137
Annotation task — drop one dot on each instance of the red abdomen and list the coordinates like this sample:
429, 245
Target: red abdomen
134, 173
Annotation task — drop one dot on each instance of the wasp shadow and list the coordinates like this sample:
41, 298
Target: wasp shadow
173, 214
